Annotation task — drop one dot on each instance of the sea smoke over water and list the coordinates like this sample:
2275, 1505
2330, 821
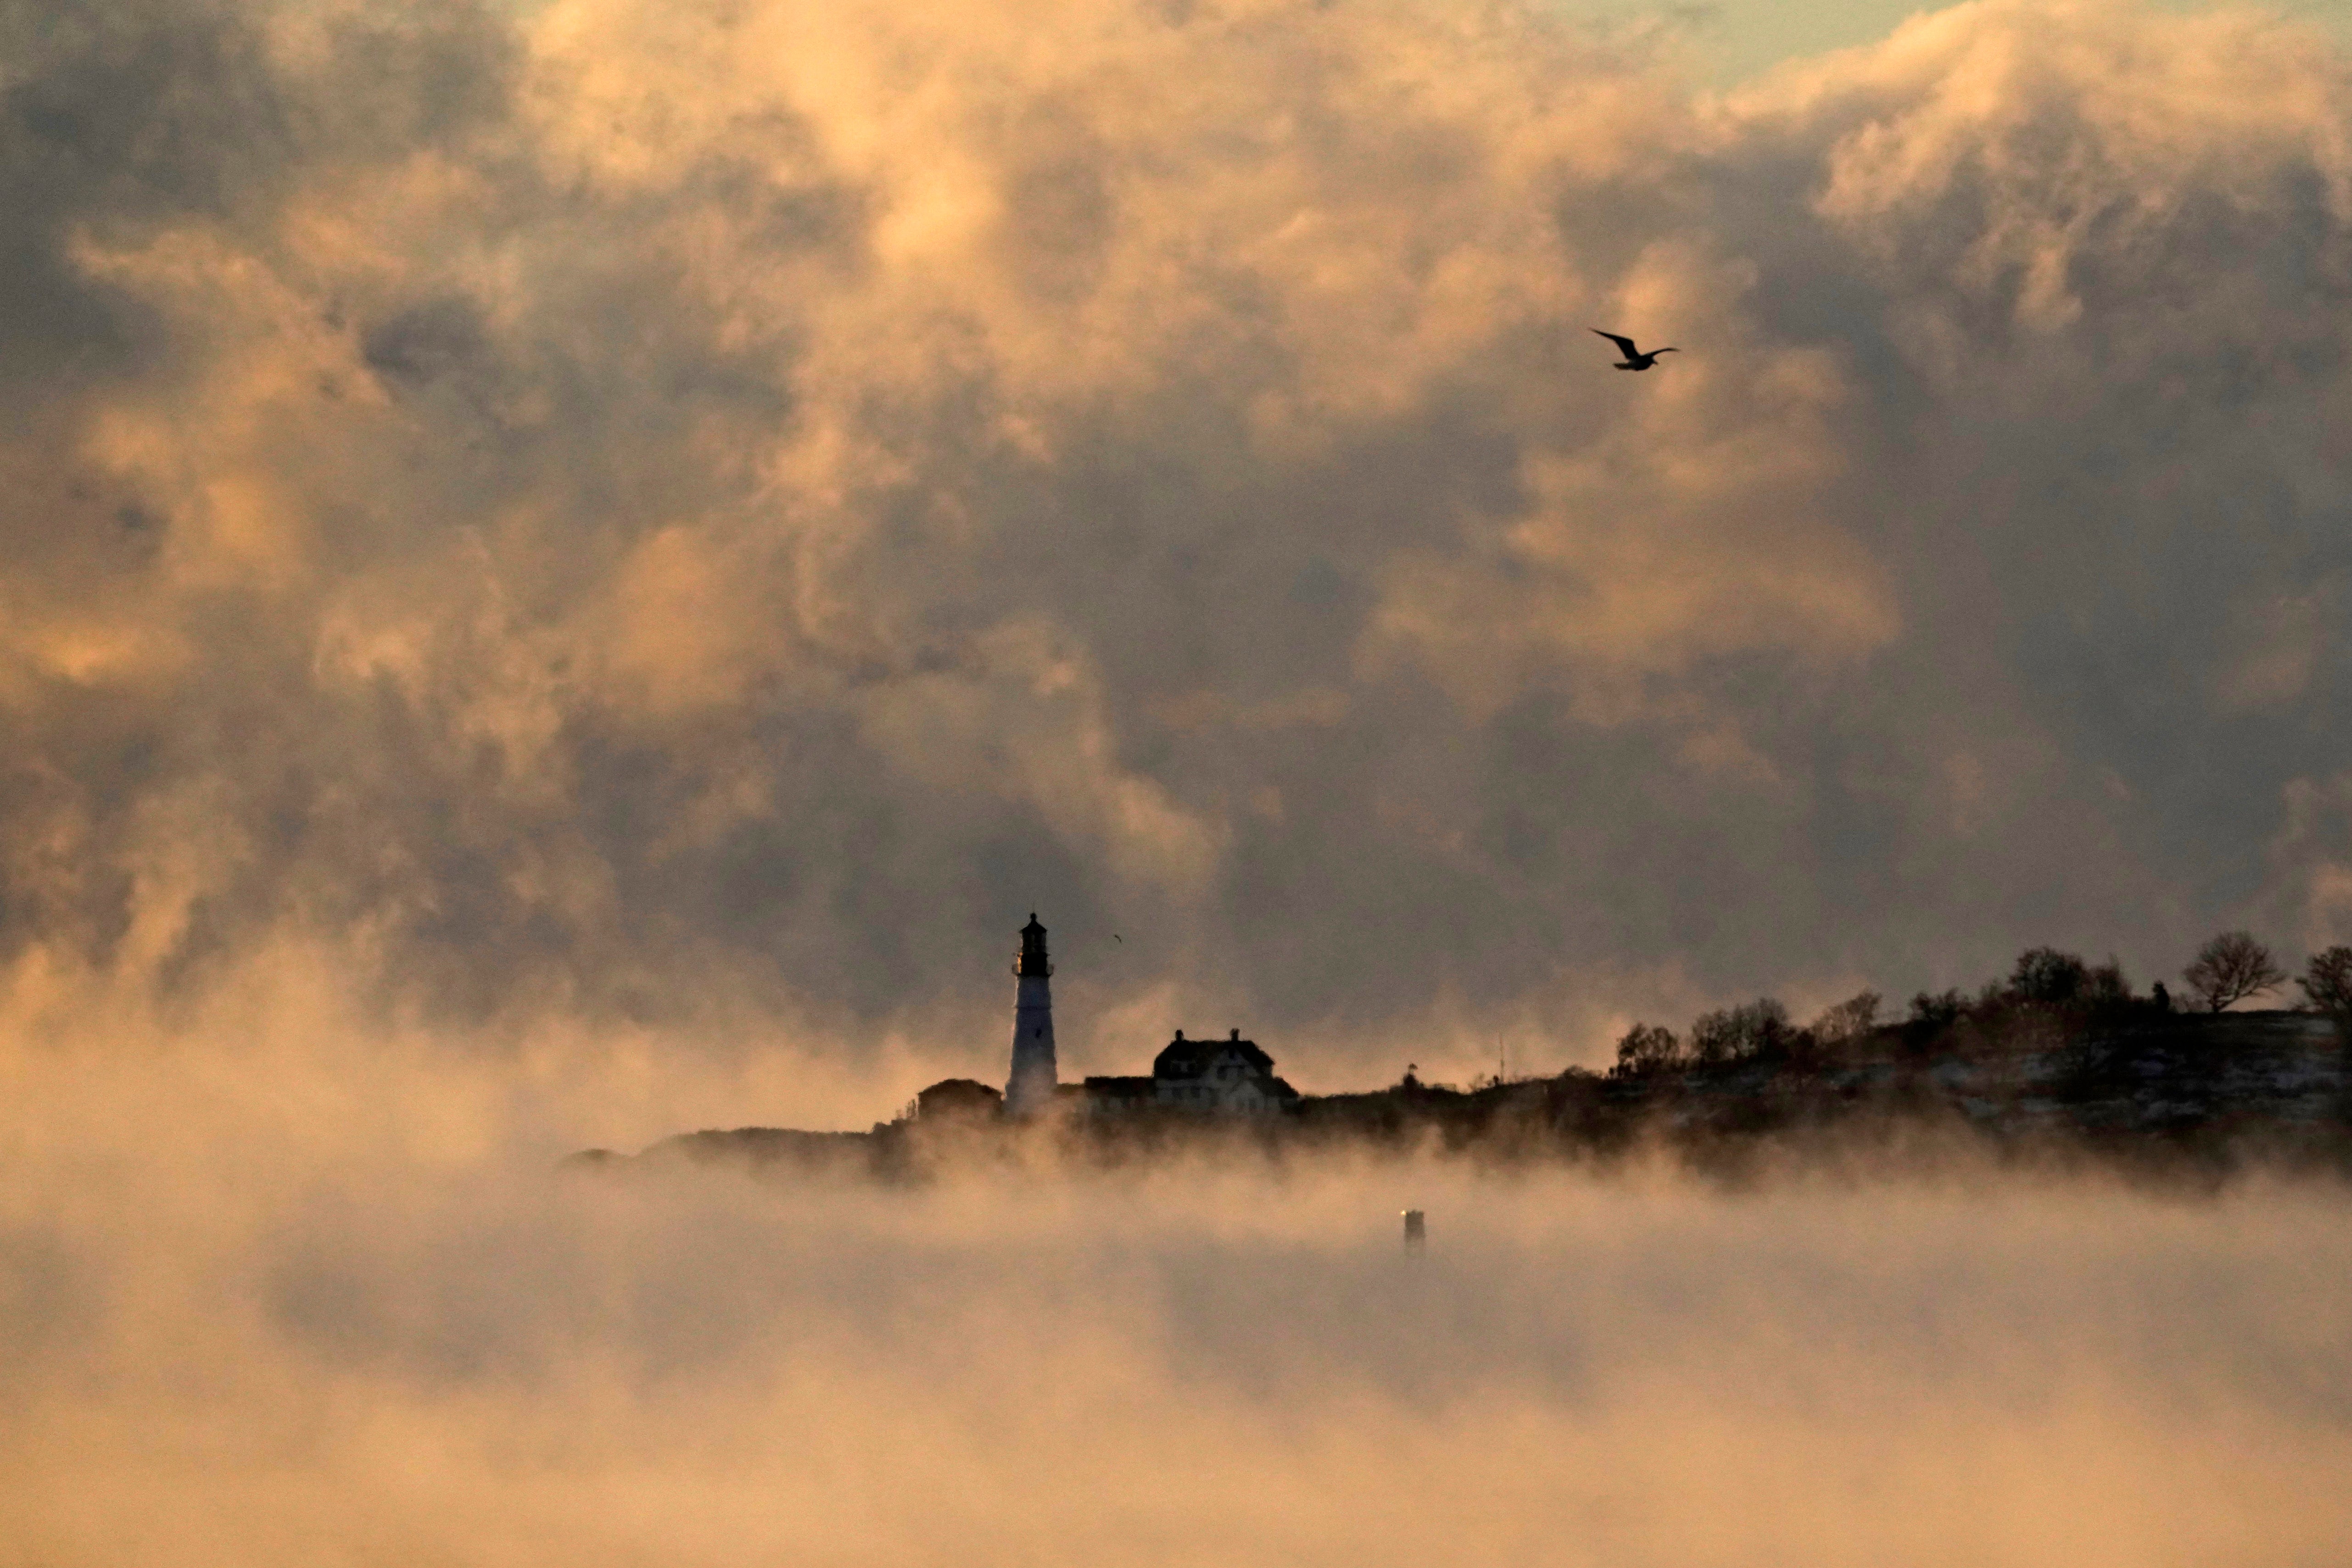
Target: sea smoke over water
324, 1328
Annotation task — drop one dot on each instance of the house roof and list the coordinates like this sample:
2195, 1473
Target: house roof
1182, 1058
951, 1096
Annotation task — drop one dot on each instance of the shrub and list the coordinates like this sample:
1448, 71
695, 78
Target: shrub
1934, 1013
1757, 1029
2105, 985
1849, 1020
2046, 974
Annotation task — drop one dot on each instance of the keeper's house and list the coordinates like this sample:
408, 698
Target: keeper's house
1229, 1077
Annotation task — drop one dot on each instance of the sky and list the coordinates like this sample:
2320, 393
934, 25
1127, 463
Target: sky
660, 533
1734, 40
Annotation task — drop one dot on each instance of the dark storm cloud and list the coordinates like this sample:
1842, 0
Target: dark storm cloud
648, 508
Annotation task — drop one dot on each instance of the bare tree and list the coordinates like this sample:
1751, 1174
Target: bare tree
1849, 1020
2232, 968
1648, 1048
2327, 981
1754, 1030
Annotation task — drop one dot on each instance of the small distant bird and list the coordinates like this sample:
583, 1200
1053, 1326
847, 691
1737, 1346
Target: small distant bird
1635, 358
1118, 938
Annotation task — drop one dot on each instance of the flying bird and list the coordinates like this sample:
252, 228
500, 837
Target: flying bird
1635, 358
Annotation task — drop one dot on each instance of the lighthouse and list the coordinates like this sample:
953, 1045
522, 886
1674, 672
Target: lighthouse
1030, 1087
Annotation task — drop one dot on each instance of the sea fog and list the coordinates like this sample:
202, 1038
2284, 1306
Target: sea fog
262, 1314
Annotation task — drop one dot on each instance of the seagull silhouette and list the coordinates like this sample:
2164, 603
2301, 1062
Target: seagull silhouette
1635, 358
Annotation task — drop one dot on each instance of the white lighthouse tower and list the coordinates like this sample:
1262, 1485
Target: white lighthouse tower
1030, 1088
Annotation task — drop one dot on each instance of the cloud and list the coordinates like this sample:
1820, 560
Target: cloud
672, 516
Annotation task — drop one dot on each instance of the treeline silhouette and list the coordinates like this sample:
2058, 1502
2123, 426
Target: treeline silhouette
2061, 1058
2048, 995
